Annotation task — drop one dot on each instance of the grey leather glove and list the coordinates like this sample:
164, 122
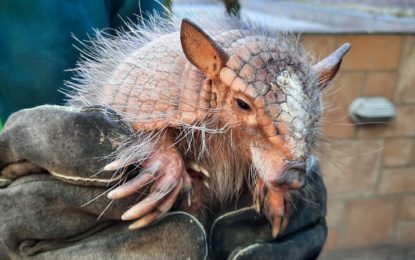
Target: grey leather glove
51, 203
67, 142
43, 218
245, 234
51, 199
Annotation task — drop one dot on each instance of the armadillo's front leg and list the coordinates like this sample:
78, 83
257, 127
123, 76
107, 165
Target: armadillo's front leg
165, 171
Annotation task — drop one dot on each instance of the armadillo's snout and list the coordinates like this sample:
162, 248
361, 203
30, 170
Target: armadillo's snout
293, 176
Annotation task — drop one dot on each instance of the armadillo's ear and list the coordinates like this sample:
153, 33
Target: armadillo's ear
328, 67
201, 50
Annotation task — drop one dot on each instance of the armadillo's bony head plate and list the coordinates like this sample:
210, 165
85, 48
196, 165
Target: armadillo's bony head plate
282, 89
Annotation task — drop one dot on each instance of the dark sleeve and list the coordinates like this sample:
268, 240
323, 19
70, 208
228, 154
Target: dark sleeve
37, 46
131, 10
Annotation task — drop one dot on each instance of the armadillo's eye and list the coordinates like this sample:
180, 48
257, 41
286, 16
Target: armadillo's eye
243, 105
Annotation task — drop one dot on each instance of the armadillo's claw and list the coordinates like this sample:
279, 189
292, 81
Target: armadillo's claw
115, 165
284, 223
166, 175
205, 172
274, 209
189, 199
198, 168
160, 192
276, 226
153, 207
147, 219
258, 195
276, 213
198, 183
257, 205
131, 186
207, 185
187, 188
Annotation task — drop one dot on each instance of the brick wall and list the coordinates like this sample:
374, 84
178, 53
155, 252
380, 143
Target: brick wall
369, 170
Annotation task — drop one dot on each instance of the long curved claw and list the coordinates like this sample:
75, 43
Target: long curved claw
147, 219
276, 226
131, 186
167, 204
258, 196
187, 188
287, 211
275, 210
142, 208
272, 202
165, 176
159, 210
158, 192
284, 222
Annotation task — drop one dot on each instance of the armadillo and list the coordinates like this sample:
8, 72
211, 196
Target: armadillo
232, 106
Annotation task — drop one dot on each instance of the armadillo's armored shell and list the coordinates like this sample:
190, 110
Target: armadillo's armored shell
146, 78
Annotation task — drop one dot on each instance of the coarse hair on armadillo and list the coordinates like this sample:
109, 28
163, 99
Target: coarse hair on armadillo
201, 141
101, 55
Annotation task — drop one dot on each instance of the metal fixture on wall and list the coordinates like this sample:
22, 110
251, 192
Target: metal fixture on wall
371, 110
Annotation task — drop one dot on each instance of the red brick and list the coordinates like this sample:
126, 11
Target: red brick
397, 180
403, 124
371, 131
369, 222
380, 84
345, 88
405, 233
408, 208
398, 151
319, 46
371, 52
350, 168
335, 211
405, 92
331, 242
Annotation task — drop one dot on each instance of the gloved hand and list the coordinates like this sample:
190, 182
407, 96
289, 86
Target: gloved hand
67, 142
51, 199
42, 215
245, 234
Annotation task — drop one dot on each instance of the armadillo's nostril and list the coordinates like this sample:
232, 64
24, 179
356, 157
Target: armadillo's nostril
293, 177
